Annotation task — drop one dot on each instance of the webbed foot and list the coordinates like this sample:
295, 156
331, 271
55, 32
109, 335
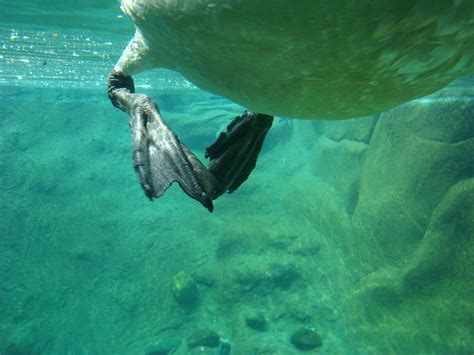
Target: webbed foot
159, 157
234, 153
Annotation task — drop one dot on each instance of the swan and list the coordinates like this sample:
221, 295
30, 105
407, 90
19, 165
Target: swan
301, 59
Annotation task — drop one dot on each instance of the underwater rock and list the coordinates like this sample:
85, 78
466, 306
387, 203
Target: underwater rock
165, 347
184, 289
409, 237
446, 251
340, 163
255, 320
207, 338
306, 339
416, 153
224, 349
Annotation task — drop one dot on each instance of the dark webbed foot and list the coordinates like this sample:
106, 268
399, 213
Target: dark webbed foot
234, 153
158, 155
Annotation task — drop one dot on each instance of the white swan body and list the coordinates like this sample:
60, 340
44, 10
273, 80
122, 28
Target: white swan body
306, 58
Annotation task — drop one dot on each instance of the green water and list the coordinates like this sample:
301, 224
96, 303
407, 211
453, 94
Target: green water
361, 230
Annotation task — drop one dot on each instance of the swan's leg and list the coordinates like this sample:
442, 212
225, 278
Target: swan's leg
234, 153
159, 157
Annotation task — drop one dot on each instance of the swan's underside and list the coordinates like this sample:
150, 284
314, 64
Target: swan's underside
307, 58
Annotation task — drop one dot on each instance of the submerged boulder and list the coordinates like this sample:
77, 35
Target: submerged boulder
165, 347
205, 337
255, 320
184, 289
306, 339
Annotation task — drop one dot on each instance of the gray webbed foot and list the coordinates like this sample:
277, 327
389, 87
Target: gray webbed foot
234, 153
159, 157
